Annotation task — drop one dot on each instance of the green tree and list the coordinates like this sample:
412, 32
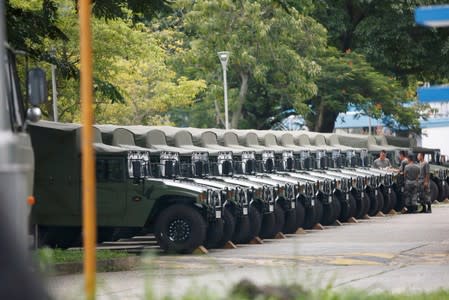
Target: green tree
271, 52
348, 79
385, 31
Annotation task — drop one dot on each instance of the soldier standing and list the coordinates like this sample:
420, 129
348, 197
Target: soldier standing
424, 184
403, 159
411, 174
382, 162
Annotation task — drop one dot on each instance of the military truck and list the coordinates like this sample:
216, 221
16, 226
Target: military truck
177, 212
17, 159
267, 160
237, 198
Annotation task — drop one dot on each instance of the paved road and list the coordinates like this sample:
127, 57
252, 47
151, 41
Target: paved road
395, 253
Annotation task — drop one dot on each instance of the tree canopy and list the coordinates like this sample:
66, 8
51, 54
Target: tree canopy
155, 61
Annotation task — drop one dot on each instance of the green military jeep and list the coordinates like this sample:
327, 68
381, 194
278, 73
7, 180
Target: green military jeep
177, 212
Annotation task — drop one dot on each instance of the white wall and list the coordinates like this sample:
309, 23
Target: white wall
437, 137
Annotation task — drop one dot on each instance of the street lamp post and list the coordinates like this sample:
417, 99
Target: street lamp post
53, 87
224, 57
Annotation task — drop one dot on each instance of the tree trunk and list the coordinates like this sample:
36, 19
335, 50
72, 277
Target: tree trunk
326, 119
237, 114
218, 119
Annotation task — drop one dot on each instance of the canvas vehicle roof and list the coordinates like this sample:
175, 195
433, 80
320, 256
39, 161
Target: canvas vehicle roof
121, 137
249, 139
154, 138
208, 138
363, 141
286, 139
319, 140
71, 131
182, 138
268, 138
302, 139
333, 140
230, 139
400, 141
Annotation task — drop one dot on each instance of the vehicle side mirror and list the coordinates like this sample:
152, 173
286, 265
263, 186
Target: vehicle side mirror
37, 86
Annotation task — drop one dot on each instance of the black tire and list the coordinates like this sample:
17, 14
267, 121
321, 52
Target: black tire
59, 236
352, 206
290, 221
300, 214
366, 204
180, 228
393, 199
280, 218
439, 184
337, 206
279, 221
268, 223
318, 210
400, 204
433, 191
383, 201
255, 222
214, 233
309, 217
328, 217
361, 204
373, 203
345, 209
228, 227
388, 202
242, 230
446, 191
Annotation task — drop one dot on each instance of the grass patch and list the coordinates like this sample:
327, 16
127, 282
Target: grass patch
55, 256
246, 290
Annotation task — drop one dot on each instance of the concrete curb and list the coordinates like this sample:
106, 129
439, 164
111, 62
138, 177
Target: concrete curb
107, 265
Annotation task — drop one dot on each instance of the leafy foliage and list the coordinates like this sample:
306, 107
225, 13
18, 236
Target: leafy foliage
269, 62
348, 79
156, 60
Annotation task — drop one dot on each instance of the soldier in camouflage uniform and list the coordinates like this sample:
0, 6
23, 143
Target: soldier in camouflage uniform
403, 159
411, 174
424, 184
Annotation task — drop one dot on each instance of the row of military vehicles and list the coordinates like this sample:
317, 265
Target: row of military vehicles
195, 187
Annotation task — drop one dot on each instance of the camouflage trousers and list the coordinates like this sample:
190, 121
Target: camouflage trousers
410, 193
424, 193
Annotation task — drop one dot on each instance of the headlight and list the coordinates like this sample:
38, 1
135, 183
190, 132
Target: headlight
281, 190
350, 154
335, 154
222, 156
287, 154
364, 153
196, 156
247, 155
267, 155
304, 154
203, 197
205, 156
167, 155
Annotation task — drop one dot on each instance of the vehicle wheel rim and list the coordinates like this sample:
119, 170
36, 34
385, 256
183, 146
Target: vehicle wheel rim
179, 230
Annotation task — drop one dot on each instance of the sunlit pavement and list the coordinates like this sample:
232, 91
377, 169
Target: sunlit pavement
394, 253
